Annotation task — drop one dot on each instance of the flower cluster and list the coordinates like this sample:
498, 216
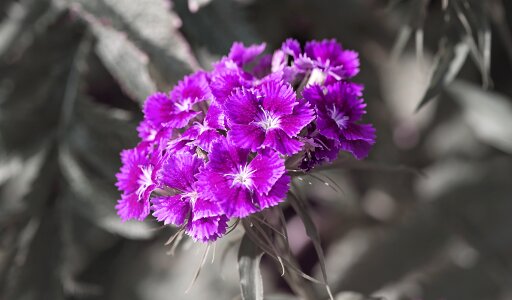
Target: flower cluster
216, 146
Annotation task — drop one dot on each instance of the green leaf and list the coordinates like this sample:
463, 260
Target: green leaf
127, 63
35, 273
95, 198
232, 23
30, 104
487, 113
152, 27
303, 211
25, 20
449, 62
249, 257
89, 158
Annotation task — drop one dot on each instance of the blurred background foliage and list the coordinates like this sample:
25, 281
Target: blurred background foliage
427, 216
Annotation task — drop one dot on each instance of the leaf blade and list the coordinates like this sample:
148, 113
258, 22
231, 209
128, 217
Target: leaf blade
249, 257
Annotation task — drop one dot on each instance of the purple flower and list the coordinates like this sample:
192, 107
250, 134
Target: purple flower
152, 134
282, 61
201, 134
137, 179
215, 146
268, 116
329, 57
177, 110
291, 47
243, 187
339, 107
263, 67
242, 55
203, 219
319, 150
226, 77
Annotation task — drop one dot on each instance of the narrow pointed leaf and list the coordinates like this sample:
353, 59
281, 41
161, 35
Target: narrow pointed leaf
152, 26
127, 63
249, 257
487, 113
449, 63
301, 208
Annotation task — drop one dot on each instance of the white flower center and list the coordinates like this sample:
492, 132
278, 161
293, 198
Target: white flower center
192, 196
242, 177
203, 127
185, 105
268, 121
317, 76
338, 117
145, 180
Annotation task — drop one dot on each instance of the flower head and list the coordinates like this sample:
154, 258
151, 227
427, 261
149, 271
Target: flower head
268, 116
240, 185
176, 110
339, 107
214, 148
336, 62
203, 219
137, 179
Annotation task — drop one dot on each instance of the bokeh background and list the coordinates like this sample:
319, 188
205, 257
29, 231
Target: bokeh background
428, 216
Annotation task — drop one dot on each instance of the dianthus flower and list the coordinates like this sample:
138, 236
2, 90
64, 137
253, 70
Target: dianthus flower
241, 185
215, 148
203, 219
178, 108
338, 108
268, 116
137, 179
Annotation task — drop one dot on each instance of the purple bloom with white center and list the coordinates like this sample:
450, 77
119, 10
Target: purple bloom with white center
242, 187
268, 116
330, 57
215, 147
203, 219
137, 179
326, 56
339, 106
176, 110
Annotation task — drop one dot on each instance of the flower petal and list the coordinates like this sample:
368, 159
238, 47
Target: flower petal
225, 157
179, 169
358, 148
302, 116
281, 142
268, 168
277, 194
207, 229
170, 209
364, 132
243, 55
241, 107
246, 136
129, 207
203, 208
277, 97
